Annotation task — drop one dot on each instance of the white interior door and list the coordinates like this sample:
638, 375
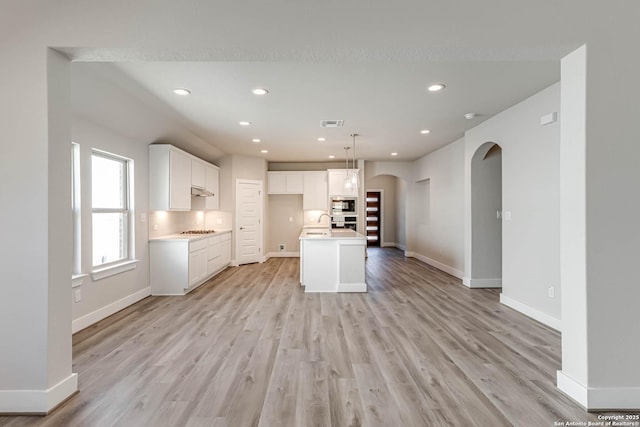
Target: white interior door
249, 199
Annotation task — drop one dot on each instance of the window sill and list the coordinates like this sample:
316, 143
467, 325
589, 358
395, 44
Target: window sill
77, 280
112, 270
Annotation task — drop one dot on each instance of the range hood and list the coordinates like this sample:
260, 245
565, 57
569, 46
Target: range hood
200, 192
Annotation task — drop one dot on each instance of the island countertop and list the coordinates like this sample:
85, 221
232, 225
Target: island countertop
330, 234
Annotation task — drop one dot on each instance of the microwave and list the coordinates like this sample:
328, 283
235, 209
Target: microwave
343, 205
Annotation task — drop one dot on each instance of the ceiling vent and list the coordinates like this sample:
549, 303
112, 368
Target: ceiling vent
331, 123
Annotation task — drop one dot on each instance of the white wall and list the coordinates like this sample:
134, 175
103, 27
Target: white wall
283, 207
232, 168
437, 236
401, 214
600, 232
100, 294
117, 132
35, 253
531, 192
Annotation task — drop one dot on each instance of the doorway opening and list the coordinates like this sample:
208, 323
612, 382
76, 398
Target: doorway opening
374, 218
486, 217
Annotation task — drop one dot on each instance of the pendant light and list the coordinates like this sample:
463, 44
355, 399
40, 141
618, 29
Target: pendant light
348, 183
354, 172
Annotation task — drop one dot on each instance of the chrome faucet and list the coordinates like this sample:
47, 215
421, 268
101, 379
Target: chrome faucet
321, 215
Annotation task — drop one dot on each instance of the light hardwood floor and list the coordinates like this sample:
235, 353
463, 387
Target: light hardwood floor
250, 348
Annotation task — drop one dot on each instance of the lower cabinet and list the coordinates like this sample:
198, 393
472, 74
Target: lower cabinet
218, 253
197, 262
179, 266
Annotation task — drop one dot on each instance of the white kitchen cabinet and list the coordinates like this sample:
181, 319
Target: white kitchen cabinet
180, 264
286, 182
197, 173
225, 249
169, 178
213, 255
315, 195
336, 183
212, 184
197, 262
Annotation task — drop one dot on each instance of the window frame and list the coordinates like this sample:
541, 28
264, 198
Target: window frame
126, 211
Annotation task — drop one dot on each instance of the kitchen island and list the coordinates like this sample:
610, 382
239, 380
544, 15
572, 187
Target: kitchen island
332, 260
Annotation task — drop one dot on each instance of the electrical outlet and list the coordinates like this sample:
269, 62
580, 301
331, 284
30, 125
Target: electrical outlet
77, 295
281, 247
290, 219
156, 227
506, 215
143, 217
219, 221
552, 292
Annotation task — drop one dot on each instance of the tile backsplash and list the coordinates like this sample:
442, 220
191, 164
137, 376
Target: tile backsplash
162, 223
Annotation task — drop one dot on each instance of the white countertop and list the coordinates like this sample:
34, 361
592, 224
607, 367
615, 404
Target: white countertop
187, 237
328, 233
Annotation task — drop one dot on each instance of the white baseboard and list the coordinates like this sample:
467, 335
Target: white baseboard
600, 398
535, 314
106, 311
401, 246
283, 255
352, 287
437, 264
481, 283
572, 388
37, 402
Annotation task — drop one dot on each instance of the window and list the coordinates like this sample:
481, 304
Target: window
75, 208
111, 212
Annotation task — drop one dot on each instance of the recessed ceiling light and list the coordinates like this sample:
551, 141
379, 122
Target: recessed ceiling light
470, 116
243, 123
436, 87
260, 91
181, 91
264, 151
332, 156
425, 131
321, 139
255, 140
394, 154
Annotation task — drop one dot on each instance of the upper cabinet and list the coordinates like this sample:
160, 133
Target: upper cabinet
211, 184
337, 178
169, 178
172, 173
286, 182
315, 196
197, 173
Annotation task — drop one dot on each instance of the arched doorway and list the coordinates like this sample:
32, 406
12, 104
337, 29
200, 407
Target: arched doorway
486, 217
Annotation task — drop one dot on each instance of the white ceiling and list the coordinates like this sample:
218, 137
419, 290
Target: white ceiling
361, 61
385, 102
